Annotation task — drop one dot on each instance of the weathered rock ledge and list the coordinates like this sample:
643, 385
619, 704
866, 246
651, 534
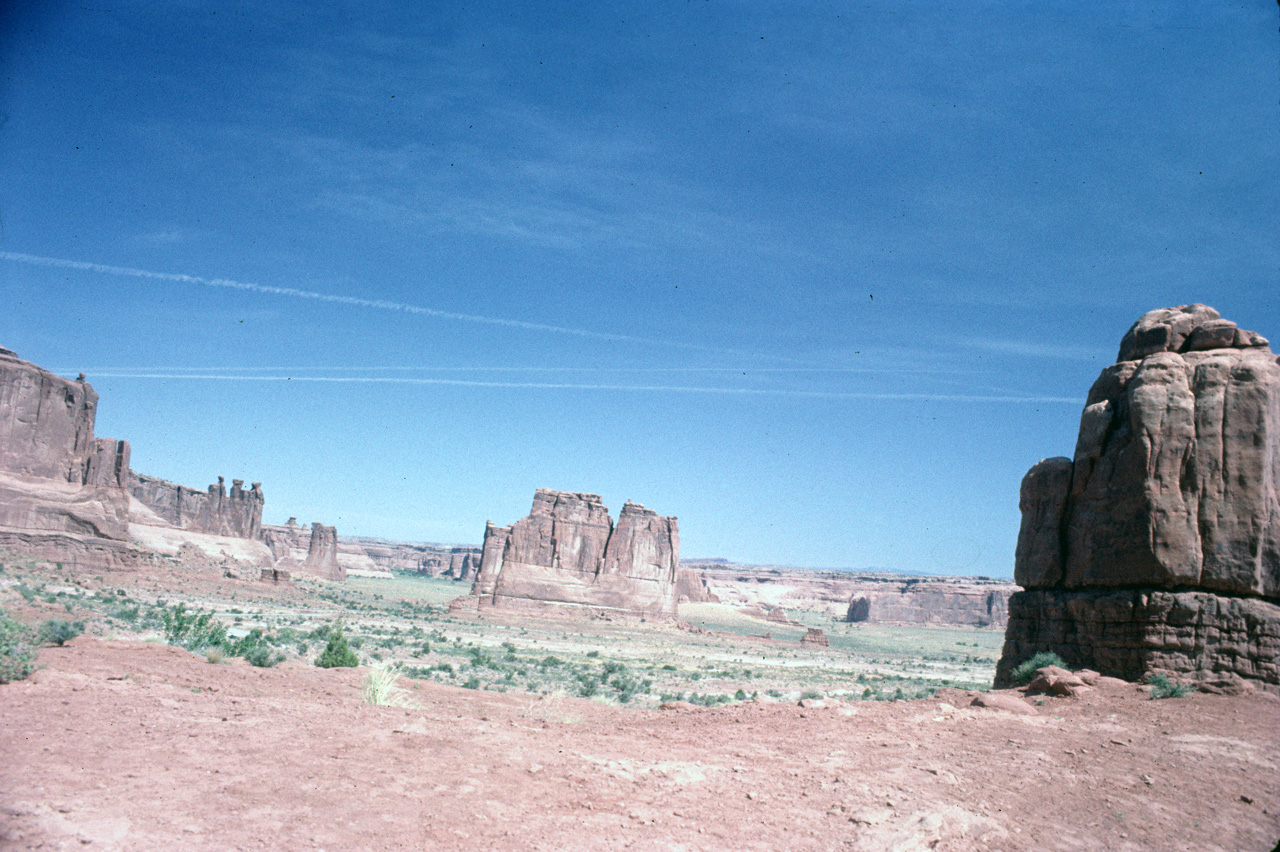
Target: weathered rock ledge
1127, 633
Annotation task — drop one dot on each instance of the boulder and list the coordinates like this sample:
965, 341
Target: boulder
1003, 701
1054, 680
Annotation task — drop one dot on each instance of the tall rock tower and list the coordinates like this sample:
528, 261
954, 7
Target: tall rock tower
1157, 546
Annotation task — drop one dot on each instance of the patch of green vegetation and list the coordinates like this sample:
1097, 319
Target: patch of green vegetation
57, 631
337, 654
1164, 687
194, 631
1025, 671
16, 651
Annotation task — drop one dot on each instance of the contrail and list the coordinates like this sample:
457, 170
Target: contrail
475, 383
434, 368
357, 301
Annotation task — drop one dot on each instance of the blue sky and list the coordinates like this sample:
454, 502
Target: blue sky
823, 280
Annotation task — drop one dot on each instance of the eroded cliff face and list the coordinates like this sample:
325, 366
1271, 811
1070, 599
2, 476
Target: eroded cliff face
1174, 487
62, 491
567, 553
932, 600
213, 511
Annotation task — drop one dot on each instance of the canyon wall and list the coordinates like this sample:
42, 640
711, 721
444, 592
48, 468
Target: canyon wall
1157, 546
931, 600
567, 554
874, 597
62, 491
213, 511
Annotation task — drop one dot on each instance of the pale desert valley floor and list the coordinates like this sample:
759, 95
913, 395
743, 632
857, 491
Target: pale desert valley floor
533, 733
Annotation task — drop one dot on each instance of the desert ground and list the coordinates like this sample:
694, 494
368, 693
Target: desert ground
535, 733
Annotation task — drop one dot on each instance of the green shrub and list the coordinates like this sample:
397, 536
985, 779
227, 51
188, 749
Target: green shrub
55, 631
337, 654
1024, 672
16, 652
811, 693
195, 631
263, 656
1163, 687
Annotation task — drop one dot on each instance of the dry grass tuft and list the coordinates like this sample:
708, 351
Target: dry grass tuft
382, 687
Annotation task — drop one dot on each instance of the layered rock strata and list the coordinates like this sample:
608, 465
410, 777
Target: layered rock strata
930, 601
213, 511
62, 491
567, 554
1157, 546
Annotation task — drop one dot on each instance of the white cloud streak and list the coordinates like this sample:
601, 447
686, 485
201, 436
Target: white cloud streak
357, 301
683, 389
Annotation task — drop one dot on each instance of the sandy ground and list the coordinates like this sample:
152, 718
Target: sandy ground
125, 745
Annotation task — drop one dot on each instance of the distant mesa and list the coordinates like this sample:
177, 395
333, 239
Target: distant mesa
873, 597
1157, 546
931, 600
691, 587
567, 555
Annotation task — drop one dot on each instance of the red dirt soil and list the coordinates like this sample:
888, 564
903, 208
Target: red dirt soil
124, 745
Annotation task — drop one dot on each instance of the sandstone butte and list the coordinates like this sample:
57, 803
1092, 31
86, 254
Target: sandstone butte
69, 497
1157, 546
567, 555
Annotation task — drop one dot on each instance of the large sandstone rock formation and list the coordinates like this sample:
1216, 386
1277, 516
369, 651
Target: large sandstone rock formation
1158, 544
62, 491
212, 511
568, 554
322, 554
